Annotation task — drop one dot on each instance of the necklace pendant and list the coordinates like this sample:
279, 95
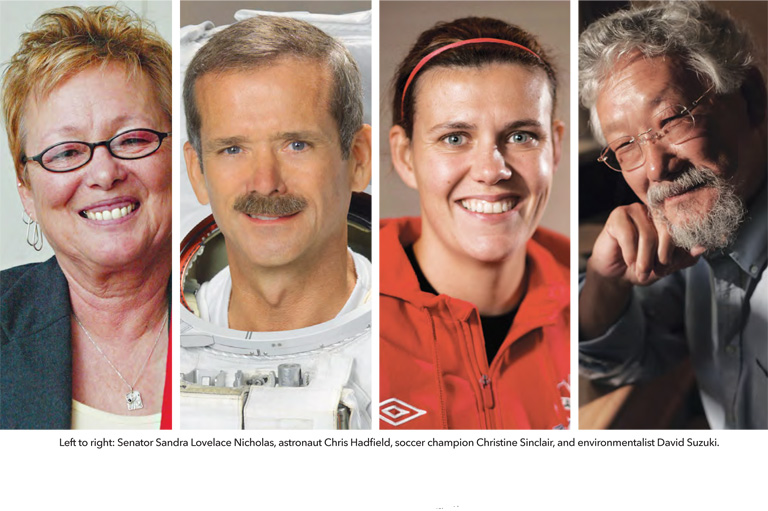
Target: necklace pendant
133, 398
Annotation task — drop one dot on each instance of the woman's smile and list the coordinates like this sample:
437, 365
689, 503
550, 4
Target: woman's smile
482, 156
490, 206
113, 210
126, 200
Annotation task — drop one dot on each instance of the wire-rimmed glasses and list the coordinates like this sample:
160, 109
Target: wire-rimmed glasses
675, 124
71, 155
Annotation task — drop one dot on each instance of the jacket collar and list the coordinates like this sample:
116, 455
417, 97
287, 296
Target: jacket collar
397, 276
547, 269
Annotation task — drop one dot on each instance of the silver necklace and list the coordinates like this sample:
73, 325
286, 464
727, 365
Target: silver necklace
133, 397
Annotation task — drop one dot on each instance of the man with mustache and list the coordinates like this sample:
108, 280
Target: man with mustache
676, 96
277, 146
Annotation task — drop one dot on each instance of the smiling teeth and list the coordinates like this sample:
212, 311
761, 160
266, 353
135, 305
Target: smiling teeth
257, 217
113, 214
482, 206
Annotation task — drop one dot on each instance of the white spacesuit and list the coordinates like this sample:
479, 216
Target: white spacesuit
312, 378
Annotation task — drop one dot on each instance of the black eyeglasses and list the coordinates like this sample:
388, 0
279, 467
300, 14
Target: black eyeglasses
128, 145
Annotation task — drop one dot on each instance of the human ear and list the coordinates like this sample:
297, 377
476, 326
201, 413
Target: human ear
195, 173
402, 156
27, 199
558, 129
360, 154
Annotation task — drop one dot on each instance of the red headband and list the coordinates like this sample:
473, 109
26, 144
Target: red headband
440, 50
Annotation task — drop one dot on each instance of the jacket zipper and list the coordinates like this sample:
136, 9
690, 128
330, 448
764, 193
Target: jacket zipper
485, 383
474, 334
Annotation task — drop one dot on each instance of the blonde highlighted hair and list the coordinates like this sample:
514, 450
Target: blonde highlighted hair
65, 41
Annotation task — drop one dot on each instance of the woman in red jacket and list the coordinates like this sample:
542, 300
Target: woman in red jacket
474, 295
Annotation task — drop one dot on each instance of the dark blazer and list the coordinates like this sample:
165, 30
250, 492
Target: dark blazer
35, 348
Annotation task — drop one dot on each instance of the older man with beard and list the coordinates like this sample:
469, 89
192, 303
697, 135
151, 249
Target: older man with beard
675, 94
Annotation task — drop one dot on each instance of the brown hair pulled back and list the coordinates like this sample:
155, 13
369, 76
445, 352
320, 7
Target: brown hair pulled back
471, 55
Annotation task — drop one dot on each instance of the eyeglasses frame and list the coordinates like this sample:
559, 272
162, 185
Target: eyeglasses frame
648, 134
161, 135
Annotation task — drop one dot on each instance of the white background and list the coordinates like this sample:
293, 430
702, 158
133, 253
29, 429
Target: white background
37, 473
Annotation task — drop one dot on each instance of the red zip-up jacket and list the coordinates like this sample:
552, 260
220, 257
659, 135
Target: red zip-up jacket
434, 370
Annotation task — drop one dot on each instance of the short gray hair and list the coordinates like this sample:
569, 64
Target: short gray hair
706, 41
262, 41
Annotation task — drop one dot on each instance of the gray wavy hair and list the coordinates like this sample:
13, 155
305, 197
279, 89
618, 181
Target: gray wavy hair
707, 41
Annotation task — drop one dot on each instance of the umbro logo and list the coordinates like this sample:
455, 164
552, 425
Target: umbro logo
396, 412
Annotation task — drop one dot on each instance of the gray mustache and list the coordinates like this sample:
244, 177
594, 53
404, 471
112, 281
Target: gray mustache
256, 204
691, 178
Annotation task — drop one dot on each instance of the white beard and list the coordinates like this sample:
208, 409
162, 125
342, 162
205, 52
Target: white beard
713, 230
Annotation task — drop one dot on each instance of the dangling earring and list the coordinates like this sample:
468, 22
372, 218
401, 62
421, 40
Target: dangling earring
36, 239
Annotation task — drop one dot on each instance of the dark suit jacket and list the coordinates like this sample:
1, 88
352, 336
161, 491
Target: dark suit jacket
35, 349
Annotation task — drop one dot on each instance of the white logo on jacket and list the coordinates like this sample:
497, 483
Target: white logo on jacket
396, 412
